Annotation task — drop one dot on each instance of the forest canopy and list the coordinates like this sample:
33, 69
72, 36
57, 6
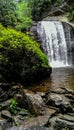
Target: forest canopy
20, 14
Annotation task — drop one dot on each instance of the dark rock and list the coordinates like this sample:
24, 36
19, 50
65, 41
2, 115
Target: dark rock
66, 117
18, 98
5, 104
4, 124
6, 115
1, 91
64, 123
59, 101
5, 86
24, 113
16, 89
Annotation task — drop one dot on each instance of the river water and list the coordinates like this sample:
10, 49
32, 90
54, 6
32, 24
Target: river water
60, 77
57, 41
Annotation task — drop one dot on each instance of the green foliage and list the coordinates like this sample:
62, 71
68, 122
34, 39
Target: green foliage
13, 106
0, 107
58, 2
39, 7
20, 57
70, 16
23, 15
7, 13
66, 128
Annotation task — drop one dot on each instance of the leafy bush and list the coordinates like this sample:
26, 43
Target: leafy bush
13, 106
8, 13
24, 16
21, 59
71, 16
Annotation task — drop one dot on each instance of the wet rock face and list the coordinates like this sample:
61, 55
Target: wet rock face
54, 109
60, 101
62, 122
69, 37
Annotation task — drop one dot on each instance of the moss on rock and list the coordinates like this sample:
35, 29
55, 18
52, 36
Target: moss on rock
21, 59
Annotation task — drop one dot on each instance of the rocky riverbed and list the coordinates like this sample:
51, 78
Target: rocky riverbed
23, 109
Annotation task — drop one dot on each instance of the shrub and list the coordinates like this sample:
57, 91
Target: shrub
21, 59
13, 106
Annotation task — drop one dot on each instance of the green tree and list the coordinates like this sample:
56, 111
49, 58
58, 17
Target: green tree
39, 7
24, 15
8, 12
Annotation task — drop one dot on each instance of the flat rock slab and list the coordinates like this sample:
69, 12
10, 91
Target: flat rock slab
58, 91
65, 123
37, 128
36, 121
50, 111
6, 114
31, 128
67, 117
62, 122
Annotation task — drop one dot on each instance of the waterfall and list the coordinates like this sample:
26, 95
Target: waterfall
54, 42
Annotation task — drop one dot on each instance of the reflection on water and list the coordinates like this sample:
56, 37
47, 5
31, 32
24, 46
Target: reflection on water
60, 77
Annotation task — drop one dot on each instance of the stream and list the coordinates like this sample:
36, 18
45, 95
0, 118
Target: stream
60, 77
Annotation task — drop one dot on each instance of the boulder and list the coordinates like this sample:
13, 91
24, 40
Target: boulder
62, 122
60, 101
21, 59
35, 103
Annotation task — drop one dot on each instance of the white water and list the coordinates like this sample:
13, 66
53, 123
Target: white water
54, 43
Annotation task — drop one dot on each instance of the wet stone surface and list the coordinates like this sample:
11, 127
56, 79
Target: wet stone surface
36, 110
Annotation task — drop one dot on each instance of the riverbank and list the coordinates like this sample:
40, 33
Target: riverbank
41, 110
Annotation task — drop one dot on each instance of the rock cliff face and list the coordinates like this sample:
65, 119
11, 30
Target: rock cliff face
68, 33
65, 7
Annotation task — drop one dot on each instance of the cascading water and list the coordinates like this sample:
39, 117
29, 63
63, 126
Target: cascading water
54, 42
